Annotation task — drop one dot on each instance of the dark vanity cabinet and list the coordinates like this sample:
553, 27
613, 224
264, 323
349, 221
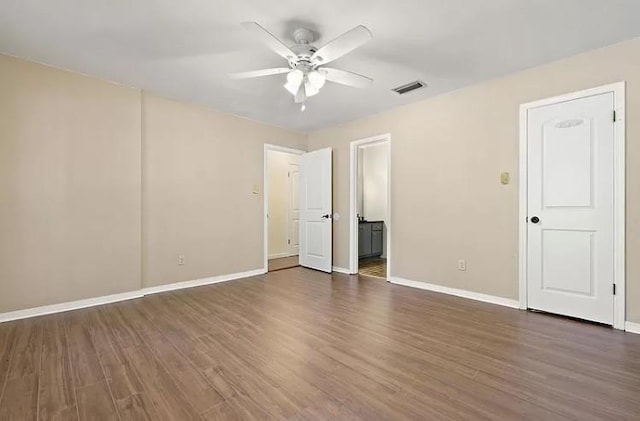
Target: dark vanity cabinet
370, 239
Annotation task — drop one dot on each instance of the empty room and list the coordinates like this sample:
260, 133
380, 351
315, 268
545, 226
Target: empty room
338, 210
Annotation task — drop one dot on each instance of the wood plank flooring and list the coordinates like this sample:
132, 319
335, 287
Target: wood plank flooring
298, 344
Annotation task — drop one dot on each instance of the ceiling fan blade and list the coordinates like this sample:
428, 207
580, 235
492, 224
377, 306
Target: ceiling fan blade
346, 78
259, 73
342, 45
301, 96
269, 40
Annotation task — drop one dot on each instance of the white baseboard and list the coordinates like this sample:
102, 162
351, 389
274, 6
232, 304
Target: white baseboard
70, 305
96, 301
341, 270
506, 302
632, 327
201, 282
279, 255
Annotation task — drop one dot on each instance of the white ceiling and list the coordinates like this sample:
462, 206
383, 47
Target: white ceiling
184, 49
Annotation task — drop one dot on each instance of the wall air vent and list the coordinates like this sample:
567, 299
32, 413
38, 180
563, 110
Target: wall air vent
409, 87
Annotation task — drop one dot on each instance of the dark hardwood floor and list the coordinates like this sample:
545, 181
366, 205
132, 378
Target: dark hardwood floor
299, 344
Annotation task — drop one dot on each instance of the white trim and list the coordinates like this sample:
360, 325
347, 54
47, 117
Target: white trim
97, 301
201, 282
341, 270
632, 327
68, 306
281, 255
492, 299
265, 190
618, 90
353, 193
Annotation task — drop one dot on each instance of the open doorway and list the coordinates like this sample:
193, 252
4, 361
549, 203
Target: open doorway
370, 206
281, 185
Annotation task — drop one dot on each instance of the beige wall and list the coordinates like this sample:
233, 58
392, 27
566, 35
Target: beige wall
77, 158
199, 168
374, 182
98, 181
446, 157
69, 186
278, 169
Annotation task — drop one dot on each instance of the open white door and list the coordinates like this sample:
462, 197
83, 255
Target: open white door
316, 210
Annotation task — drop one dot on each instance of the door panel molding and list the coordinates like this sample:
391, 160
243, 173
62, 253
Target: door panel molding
618, 90
316, 210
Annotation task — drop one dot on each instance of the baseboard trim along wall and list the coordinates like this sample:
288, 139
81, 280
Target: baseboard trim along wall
70, 305
632, 327
201, 282
107, 299
501, 301
341, 270
279, 255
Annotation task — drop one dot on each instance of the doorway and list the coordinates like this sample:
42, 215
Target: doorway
282, 176
572, 205
298, 213
370, 207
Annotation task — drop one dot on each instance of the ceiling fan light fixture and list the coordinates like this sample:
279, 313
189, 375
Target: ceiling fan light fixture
295, 76
310, 90
292, 88
316, 79
294, 79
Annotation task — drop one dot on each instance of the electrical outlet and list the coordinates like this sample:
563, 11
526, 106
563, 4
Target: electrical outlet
462, 265
181, 260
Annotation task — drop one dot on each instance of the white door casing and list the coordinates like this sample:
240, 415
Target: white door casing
570, 265
316, 210
293, 225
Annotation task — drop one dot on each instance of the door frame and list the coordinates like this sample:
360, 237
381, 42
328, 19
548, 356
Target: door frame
618, 90
353, 199
265, 188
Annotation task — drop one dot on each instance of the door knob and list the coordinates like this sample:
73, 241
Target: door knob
535, 219
327, 216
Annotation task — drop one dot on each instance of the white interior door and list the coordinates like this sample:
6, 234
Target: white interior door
316, 210
293, 225
570, 208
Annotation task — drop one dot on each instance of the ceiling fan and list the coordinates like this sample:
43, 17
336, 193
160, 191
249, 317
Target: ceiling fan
307, 73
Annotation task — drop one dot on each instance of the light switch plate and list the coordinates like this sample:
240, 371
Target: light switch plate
505, 178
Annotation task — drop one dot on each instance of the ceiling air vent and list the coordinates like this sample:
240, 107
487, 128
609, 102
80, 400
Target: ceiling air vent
405, 89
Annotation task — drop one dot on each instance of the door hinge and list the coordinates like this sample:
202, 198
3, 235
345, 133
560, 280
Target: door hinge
289, 173
288, 241
614, 116
614, 289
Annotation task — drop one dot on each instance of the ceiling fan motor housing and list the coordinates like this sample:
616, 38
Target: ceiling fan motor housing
303, 48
